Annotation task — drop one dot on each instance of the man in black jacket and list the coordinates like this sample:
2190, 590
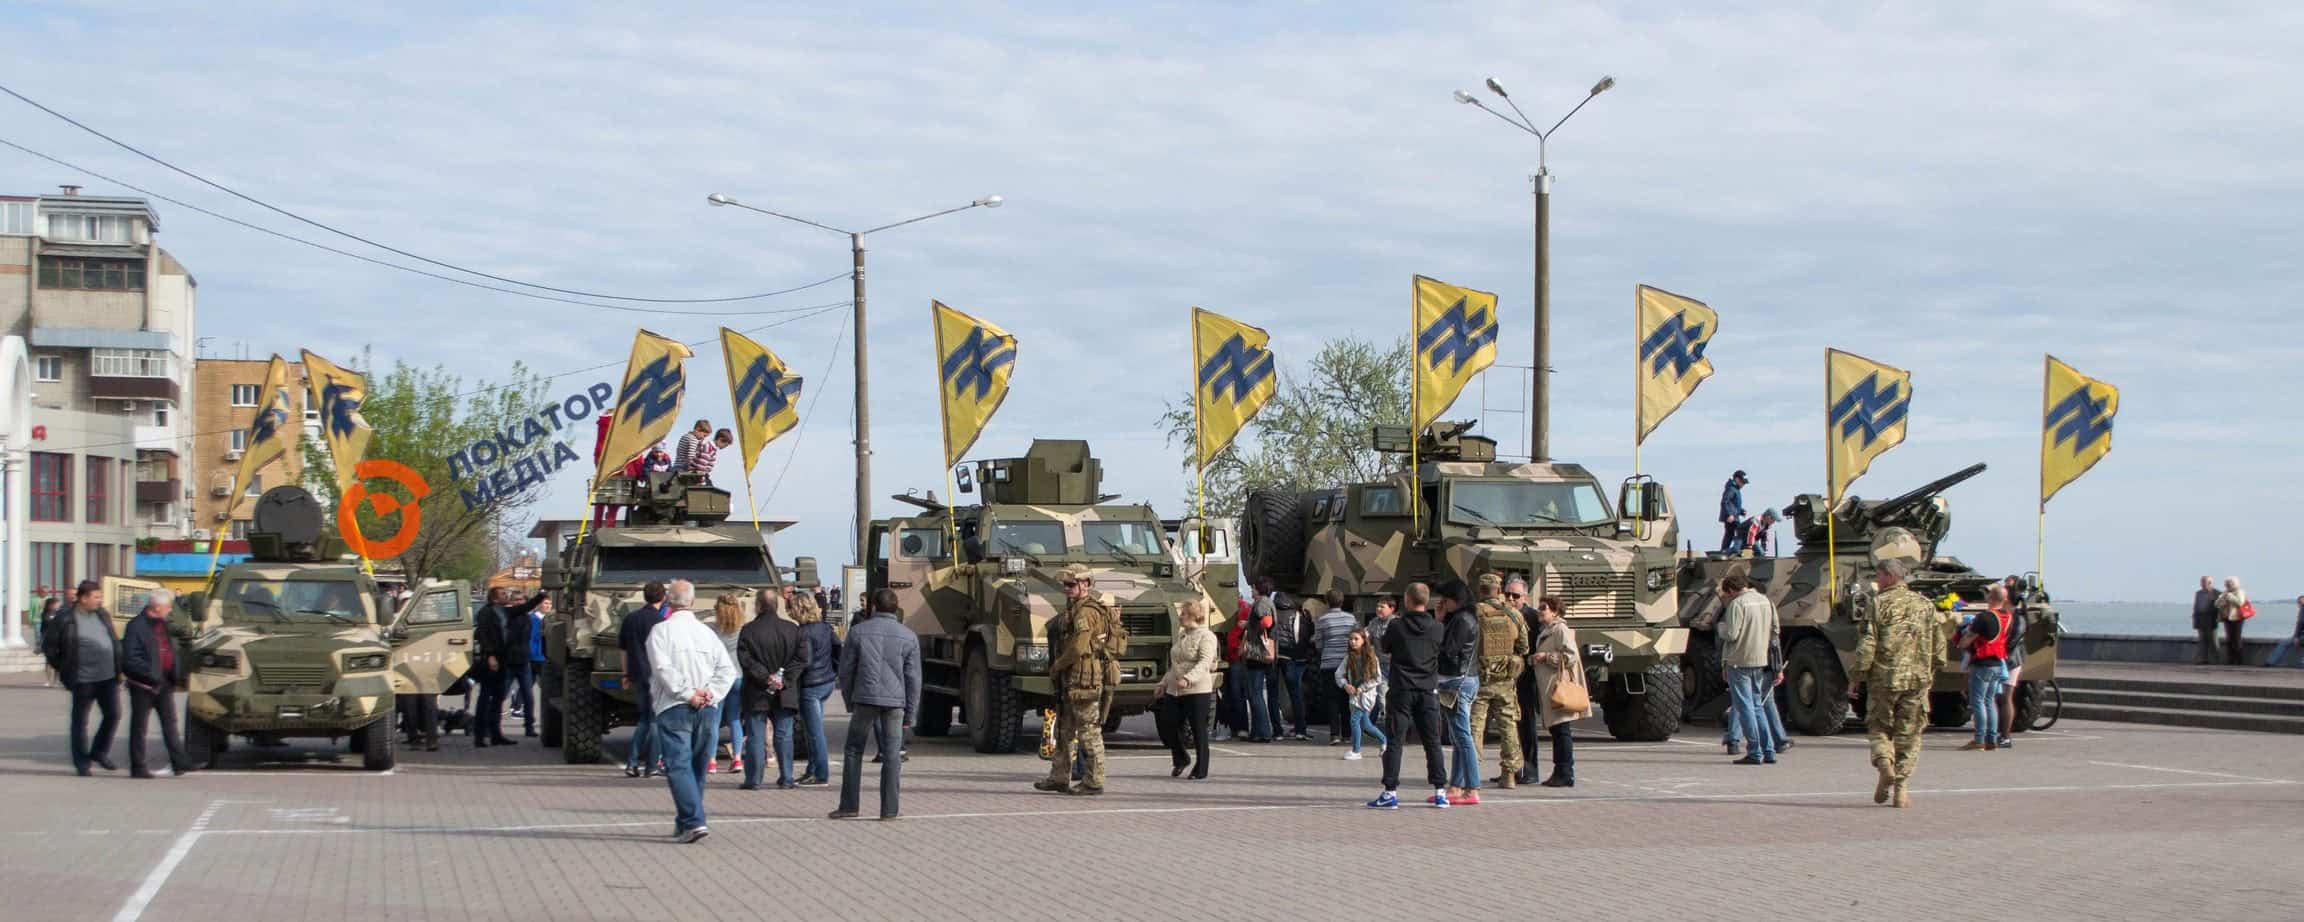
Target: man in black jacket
500, 641
86, 657
632, 639
1460, 673
2204, 618
151, 663
1412, 646
1292, 640
771, 654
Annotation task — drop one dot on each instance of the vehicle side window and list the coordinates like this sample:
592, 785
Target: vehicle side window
921, 542
432, 608
1381, 501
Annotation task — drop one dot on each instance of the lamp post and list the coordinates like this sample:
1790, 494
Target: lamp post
863, 407
1539, 443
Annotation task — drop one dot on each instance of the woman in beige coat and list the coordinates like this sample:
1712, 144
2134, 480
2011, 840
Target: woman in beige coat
2228, 609
1181, 698
1555, 661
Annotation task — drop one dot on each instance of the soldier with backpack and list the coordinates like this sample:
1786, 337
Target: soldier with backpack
1503, 654
1086, 671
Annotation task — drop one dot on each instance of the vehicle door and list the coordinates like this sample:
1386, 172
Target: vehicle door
1215, 568
126, 597
919, 548
432, 639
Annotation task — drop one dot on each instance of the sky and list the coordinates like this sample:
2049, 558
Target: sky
1953, 190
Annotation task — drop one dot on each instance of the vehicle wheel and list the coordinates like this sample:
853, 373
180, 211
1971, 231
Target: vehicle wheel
1700, 680
550, 690
1111, 723
374, 743
586, 717
1815, 690
995, 711
1272, 537
202, 742
1649, 717
1947, 709
935, 715
2051, 707
2027, 703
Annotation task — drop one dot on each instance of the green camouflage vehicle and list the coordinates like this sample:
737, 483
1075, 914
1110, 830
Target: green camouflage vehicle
677, 529
1547, 521
297, 642
1820, 634
982, 613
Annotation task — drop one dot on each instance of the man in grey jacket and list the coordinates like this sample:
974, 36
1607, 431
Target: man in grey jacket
2204, 623
880, 679
1746, 629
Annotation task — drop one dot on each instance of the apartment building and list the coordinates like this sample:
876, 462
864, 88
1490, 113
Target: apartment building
230, 390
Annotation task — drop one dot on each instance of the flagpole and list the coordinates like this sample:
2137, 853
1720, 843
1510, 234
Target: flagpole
1832, 497
1199, 430
2040, 519
1415, 414
1637, 409
944, 416
216, 547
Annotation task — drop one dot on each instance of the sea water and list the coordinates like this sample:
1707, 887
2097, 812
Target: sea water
2165, 619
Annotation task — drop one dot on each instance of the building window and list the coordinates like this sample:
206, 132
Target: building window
244, 395
51, 487
47, 368
90, 228
99, 491
99, 561
52, 570
159, 413
128, 363
16, 217
255, 485
239, 530
92, 274
239, 440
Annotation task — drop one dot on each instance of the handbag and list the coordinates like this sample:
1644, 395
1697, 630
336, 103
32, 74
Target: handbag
2247, 610
1571, 697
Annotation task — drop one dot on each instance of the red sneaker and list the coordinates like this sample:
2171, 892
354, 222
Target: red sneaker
1471, 798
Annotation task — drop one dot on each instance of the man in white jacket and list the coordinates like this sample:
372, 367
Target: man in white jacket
689, 673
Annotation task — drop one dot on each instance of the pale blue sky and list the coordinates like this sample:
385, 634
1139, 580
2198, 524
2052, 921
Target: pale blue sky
1953, 192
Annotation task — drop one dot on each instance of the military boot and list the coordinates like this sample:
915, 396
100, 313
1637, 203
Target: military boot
1887, 784
1051, 785
1902, 801
1507, 781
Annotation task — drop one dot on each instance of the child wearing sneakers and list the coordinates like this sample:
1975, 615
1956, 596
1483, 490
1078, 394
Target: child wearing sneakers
1362, 678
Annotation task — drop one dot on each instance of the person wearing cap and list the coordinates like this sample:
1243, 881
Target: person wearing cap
1089, 638
1898, 655
1732, 513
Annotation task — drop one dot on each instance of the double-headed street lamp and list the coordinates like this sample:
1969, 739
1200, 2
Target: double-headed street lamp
863, 408
1539, 446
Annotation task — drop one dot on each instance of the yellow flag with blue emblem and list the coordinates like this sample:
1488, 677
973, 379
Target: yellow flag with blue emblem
2075, 425
1455, 331
271, 432
338, 394
1866, 406
648, 402
1673, 331
1233, 379
973, 362
765, 391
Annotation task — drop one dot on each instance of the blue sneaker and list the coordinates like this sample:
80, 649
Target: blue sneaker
1385, 801
1440, 801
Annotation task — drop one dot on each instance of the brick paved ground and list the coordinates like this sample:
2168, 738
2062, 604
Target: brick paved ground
2093, 821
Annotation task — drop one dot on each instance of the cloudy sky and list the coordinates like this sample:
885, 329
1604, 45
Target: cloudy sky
1954, 191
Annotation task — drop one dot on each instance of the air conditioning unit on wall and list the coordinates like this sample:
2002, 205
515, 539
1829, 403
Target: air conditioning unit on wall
232, 454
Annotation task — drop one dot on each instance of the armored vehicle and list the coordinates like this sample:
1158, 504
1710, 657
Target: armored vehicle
1547, 521
982, 607
1820, 628
298, 642
677, 529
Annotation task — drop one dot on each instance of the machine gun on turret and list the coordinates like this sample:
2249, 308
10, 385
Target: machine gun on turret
1860, 519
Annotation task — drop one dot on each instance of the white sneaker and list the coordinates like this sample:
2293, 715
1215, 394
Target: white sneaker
1351, 757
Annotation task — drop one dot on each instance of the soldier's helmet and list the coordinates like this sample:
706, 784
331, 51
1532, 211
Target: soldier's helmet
1073, 573
1898, 544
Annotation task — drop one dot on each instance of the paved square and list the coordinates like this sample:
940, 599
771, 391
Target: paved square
2090, 821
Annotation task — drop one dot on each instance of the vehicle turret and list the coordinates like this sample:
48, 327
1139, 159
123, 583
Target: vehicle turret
1922, 511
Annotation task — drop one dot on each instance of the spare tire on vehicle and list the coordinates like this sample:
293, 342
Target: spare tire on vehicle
1272, 536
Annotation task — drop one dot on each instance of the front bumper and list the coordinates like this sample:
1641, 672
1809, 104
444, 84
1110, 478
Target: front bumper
307, 713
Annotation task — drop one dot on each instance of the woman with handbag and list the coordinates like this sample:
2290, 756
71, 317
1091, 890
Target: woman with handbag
2234, 609
1181, 698
1560, 686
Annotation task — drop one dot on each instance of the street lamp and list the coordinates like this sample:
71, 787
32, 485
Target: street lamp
1539, 447
863, 409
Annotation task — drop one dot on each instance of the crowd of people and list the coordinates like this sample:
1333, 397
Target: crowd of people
2227, 611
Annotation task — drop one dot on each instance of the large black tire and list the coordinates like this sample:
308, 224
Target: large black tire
1700, 680
202, 742
1272, 538
586, 717
995, 710
374, 744
549, 690
1644, 718
1948, 709
1815, 689
2027, 704
935, 715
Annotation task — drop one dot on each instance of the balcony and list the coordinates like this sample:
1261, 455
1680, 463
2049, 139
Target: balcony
159, 491
156, 438
113, 387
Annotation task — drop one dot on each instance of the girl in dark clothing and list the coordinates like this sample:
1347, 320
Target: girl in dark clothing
817, 683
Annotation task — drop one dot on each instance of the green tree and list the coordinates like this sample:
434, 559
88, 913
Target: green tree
421, 417
1314, 432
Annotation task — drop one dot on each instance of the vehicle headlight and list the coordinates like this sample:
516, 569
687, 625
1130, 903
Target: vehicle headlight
366, 662
1011, 564
1657, 579
219, 661
1034, 653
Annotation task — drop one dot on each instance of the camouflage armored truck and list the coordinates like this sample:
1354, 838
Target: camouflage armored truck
1548, 521
1820, 634
297, 642
676, 528
982, 608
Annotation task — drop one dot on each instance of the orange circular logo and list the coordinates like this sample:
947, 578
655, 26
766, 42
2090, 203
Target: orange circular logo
357, 495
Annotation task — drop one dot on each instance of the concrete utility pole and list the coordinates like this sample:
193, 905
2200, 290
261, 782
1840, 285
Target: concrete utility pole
1539, 441
863, 374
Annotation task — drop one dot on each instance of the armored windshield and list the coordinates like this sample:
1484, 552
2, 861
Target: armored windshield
1520, 503
1026, 537
291, 599
1126, 539
702, 565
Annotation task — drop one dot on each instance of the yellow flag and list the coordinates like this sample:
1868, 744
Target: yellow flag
338, 394
271, 432
2075, 425
1866, 405
1673, 332
973, 362
1235, 377
648, 403
1455, 339
765, 391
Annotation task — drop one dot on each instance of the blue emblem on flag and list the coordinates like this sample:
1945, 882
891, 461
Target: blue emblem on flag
2079, 418
1457, 335
971, 364
1674, 343
1870, 409
336, 408
653, 391
267, 424
1236, 367
765, 390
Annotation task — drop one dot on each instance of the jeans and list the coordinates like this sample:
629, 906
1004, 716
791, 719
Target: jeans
1255, 684
2280, 653
755, 748
1731, 537
1290, 672
522, 678
687, 735
642, 753
105, 696
812, 717
1751, 687
1422, 709
1563, 751
142, 705
1231, 704
2210, 654
1984, 683
732, 719
488, 715
863, 722
1364, 723
1464, 764
422, 714
2235, 652
1774, 718
1183, 724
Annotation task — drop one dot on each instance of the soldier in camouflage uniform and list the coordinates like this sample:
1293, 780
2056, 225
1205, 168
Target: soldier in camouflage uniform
1503, 651
1089, 636
1901, 649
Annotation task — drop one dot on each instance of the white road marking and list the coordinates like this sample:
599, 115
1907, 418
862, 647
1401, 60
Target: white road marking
2187, 771
158, 876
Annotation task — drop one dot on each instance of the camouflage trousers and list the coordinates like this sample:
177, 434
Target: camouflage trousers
1894, 721
1498, 700
1079, 727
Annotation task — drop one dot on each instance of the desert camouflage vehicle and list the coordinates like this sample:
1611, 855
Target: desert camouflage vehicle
678, 530
1819, 635
982, 609
296, 642
1548, 521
